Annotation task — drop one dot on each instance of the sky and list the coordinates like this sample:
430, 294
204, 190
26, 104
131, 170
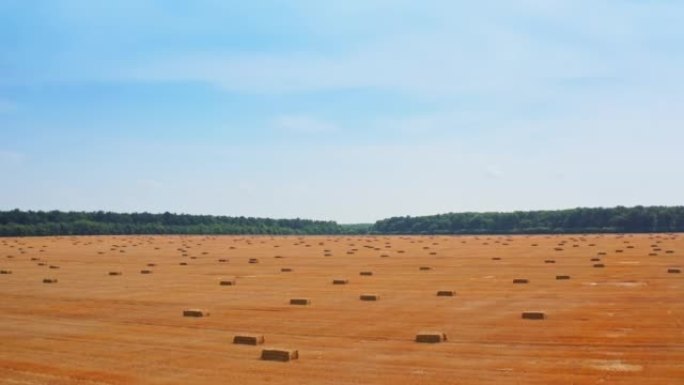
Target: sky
351, 110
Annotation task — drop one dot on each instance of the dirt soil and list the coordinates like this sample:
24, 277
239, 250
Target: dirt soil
622, 323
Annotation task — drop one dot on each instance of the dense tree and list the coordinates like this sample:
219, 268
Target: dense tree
580, 220
26, 223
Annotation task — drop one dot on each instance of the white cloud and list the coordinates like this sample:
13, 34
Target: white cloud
150, 185
11, 158
493, 172
303, 124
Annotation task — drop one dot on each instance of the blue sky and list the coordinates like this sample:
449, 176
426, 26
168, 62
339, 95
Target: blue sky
352, 111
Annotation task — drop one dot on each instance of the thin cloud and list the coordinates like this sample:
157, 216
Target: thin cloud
12, 158
303, 124
494, 172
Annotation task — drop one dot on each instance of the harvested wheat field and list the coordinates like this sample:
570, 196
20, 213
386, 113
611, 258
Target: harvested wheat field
97, 318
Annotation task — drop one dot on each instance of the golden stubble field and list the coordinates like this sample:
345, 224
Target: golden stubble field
622, 323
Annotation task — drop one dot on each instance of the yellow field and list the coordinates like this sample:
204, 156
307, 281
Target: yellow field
618, 324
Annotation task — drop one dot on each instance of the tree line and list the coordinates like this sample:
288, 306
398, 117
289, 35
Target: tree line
34, 223
619, 219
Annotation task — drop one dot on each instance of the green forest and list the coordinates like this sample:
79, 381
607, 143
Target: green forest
30, 223
637, 219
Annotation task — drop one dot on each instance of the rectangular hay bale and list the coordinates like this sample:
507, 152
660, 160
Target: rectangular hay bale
282, 355
520, 280
195, 313
300, 301
369, 297
533, 315
445, 293
431, 337
248, 339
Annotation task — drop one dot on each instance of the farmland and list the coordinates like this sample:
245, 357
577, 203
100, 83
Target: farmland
611, 306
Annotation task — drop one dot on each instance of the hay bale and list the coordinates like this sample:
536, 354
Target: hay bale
49, 280
562, 277
5, 271
369, 297
595, 259
145, 271
222, 260
340, 281
151, 264
300, 301
550, 261
431, 337
227, 282
674, 270
115, 273
533, 315
424, 268
253, 260
195, 313
520, 280
599, 265
282, 355
248, 339
445, 293
286, 270
366, 273
183, 263
496, 258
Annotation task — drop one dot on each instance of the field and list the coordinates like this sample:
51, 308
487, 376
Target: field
105, 322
